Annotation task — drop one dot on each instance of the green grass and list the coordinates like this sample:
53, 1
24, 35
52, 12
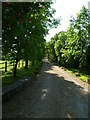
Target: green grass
7, 77
83, 75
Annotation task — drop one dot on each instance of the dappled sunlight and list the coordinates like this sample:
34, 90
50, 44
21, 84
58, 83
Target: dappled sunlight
63, 75
51, 95
44, 93
69, 77
49, 71
72, 97
69, 116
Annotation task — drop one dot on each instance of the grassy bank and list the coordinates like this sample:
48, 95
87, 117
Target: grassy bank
84, 75
7, 77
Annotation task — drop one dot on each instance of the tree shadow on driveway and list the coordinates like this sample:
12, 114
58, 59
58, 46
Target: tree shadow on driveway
51, 95
68, 99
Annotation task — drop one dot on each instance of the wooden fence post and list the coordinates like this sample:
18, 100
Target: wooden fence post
5, 66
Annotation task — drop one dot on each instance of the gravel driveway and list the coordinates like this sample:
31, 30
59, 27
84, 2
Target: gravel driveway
53, 94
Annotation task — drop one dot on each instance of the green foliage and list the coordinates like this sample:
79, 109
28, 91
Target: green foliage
84, 75
72, 48
24, 26
7, 78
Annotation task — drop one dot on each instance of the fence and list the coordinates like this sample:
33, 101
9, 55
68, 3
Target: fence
6, 66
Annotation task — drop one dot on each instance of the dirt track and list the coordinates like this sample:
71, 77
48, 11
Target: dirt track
54, 94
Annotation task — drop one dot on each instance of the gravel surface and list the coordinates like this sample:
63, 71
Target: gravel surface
53, 94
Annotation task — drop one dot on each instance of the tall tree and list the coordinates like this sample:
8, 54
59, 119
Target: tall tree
24, 27
82, 31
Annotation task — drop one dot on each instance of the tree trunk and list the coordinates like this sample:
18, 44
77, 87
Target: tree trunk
59, 62
5, 66
32, 63
26, 64
60, 58
15, 68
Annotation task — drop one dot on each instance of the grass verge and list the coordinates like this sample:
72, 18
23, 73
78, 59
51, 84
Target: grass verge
7, 77
84, 75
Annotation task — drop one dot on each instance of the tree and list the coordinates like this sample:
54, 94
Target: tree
72, 47
23, 33
60, 45
82, 31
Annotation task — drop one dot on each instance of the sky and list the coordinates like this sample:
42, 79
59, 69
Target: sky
65, 9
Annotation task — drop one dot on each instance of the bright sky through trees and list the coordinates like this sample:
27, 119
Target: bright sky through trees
66, 8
